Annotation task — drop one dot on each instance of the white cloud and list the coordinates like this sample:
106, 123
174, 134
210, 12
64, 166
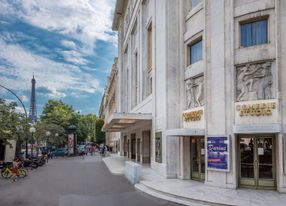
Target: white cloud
85, 20
69, 44
55, 76
54, 94
24, 98
3, 22
74, 57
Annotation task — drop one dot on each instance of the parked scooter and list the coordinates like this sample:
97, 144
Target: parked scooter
40, 161
29, 163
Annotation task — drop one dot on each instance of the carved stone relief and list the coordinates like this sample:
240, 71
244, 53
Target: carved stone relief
254, 82
195, 92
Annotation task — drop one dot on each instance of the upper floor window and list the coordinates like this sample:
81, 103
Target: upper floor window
195, 3
195, 52
254, 33
149, 46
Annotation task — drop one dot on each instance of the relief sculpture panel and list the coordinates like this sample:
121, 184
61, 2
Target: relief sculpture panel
254, 82
195, 92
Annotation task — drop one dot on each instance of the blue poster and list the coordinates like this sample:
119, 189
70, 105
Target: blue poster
218, 153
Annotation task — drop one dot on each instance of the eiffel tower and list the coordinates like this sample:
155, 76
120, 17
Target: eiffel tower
33, 107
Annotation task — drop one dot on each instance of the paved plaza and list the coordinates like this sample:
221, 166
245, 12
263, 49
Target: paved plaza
73, 182
194, 193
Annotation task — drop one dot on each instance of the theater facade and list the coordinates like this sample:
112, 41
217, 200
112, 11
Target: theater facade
202, 90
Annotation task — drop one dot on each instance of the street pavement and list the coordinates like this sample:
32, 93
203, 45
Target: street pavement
73, 182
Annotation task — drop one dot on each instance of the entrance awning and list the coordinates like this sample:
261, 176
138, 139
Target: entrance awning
121, 121
185, 132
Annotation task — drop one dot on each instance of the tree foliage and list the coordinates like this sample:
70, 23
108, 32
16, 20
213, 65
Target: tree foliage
57, 135
57, 113
100, 135
13, 125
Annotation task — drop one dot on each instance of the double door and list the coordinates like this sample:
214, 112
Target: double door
257, 162
198, 158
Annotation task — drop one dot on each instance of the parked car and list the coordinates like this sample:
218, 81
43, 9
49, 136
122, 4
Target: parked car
59, 152
45, 150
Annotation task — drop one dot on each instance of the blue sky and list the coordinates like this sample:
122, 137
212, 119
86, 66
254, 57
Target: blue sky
67, 44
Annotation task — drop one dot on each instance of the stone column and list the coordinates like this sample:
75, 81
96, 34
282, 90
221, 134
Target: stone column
215, 79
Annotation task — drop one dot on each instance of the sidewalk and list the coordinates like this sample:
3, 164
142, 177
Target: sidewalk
188, 192
115, 164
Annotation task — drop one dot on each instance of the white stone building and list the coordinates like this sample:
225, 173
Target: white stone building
7, 152
108, 107
201, 89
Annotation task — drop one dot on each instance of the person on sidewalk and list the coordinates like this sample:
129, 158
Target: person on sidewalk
15, 165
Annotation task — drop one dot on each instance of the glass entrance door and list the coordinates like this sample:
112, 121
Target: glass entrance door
257, 165
198, 158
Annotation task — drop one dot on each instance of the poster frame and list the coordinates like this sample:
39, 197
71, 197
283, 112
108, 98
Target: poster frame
228, 153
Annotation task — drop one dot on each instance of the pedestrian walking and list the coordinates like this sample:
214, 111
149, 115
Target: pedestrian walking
93, 150
15, 165
90, 151
47, 155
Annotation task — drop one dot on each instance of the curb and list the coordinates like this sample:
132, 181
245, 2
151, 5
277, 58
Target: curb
112, 171
175, 198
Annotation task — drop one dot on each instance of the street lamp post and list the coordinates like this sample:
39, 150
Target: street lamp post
48, 134
26, 115
32, 131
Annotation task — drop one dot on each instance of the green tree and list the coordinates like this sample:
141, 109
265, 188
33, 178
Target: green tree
56, 118
58, 113
82, 129
89, 121
100, 135
12, 124
57, 136
88, 126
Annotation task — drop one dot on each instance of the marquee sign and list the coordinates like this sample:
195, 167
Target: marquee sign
193, 115
258, 109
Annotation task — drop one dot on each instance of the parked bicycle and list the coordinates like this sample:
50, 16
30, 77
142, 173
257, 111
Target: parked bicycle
8, 171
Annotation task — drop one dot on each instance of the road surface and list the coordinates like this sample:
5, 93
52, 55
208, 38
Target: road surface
73, 182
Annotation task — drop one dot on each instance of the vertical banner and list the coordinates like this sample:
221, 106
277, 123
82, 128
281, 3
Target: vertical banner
218, 153
71, 144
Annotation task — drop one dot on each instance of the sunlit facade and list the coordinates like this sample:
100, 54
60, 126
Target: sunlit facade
201, 89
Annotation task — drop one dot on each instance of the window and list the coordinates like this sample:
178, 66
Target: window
135, 82
195, 52
149, 47
150, 85
254, 33
195, 3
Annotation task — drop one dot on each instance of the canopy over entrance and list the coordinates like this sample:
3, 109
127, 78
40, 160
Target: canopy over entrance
185, 132
121, 121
